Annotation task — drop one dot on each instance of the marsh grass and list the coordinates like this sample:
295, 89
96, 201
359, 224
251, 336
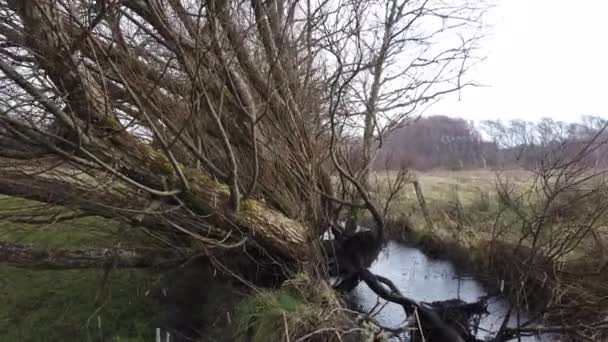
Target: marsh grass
463, 205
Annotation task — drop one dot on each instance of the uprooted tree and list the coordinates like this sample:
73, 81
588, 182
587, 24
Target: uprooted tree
222, 122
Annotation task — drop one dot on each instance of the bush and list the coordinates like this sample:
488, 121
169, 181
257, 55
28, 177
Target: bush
482, 202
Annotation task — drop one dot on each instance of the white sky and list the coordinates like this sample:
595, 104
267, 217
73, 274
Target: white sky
545, 58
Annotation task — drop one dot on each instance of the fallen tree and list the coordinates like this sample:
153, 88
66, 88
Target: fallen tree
216, 127
197, 120
27, 256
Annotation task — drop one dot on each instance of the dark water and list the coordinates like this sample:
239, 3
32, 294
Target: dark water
427, 280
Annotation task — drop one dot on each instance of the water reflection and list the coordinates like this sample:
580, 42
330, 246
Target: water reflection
427, 280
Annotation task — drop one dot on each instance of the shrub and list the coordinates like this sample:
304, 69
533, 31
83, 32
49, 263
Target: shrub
481, 203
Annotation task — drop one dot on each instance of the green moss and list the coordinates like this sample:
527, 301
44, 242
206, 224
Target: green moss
194, 201
161, 164
217, 185
195, 175
369, 331
165, 168
249, 205
111, 122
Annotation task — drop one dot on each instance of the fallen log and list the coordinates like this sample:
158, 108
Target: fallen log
209, 199
27, 256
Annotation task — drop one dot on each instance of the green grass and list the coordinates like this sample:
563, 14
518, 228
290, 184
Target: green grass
262, 317
74, 305
61, 306
77, 233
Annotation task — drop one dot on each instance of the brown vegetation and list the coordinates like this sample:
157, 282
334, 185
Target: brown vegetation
452, 143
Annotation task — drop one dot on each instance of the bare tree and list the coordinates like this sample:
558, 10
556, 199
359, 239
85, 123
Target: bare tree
431, 142
406, 55
390, 59
217, 121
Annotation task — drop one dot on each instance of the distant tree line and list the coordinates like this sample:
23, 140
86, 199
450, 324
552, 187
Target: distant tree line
454, 143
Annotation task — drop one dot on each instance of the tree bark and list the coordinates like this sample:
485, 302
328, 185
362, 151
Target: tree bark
210, 200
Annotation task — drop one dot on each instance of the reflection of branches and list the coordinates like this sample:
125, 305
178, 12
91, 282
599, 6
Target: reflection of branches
435, 327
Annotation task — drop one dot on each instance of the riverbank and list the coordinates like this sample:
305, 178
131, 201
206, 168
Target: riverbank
486, 222
529, 281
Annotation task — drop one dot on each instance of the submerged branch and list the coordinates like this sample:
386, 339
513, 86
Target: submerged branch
435, 328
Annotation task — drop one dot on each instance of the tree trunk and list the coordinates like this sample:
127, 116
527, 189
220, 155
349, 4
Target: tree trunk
60, 259
209, 200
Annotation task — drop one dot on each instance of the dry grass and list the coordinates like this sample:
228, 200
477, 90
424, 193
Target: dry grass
439, 186
465, 205
302, 309
458, 201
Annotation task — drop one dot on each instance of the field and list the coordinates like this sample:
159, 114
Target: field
468, 184
460, 203
444, 186
74, 305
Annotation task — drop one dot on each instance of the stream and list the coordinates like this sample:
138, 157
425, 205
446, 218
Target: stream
425, 279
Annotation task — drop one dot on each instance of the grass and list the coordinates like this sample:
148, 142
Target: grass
462, 204
61, 306
261, 317
441, 187
83, 305
74, 305
300, 309
80, 306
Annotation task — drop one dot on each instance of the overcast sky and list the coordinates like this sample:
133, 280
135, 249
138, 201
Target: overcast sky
545, 58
